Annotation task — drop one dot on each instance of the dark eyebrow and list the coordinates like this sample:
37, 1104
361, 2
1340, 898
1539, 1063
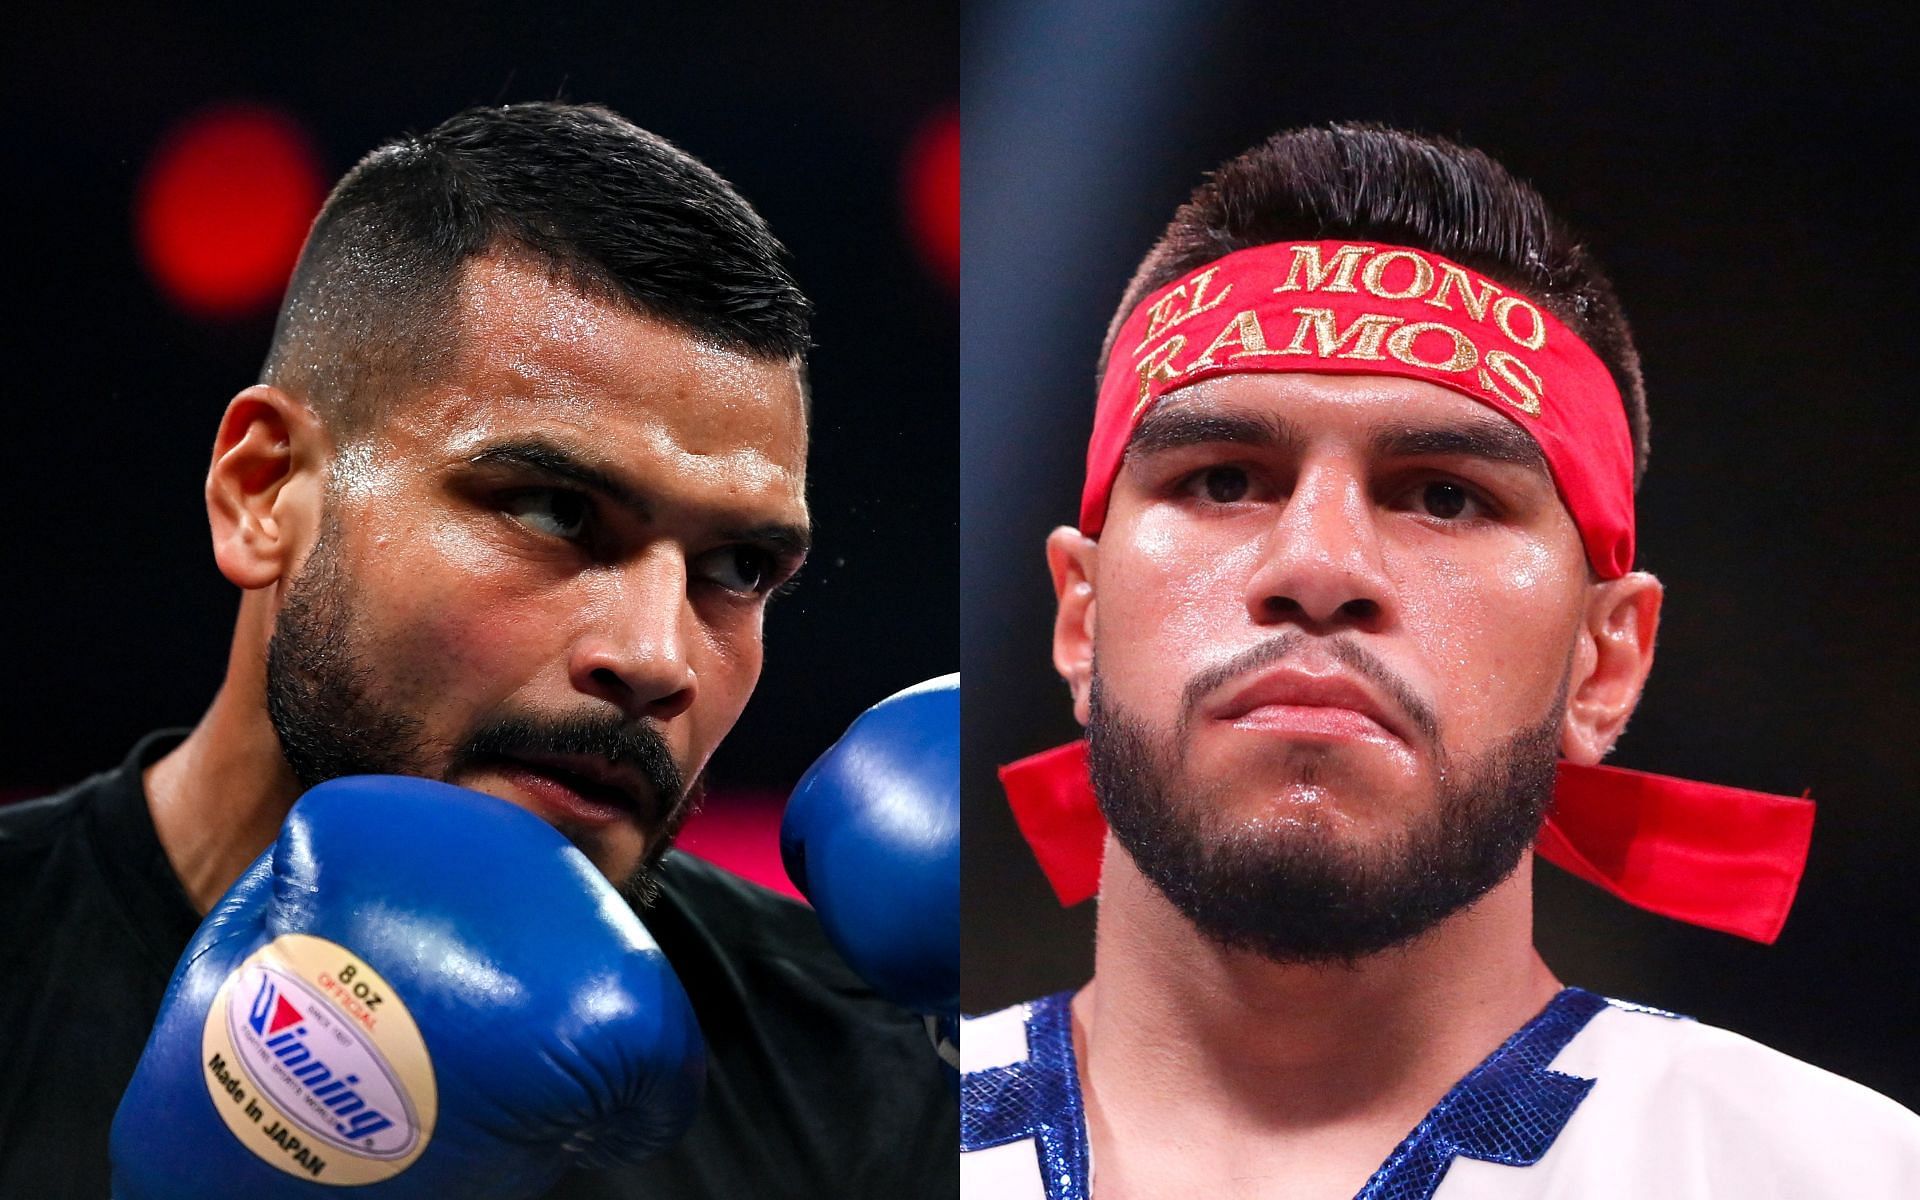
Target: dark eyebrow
1166, 429
788, 541
546, 458
1497, 440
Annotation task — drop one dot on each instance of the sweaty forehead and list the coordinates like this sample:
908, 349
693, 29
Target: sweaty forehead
523, 346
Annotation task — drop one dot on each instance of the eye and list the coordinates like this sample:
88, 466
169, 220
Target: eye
1221, 485
555, 512
1444, 500
736, 568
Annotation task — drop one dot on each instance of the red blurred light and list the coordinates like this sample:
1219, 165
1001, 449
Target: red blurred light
740, 831
224, 206
931, 192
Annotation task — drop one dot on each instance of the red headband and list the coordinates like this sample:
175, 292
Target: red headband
1721, 857
1354, 308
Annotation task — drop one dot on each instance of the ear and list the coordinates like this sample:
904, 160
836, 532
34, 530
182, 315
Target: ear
266, 485
1071, 557
1611, 661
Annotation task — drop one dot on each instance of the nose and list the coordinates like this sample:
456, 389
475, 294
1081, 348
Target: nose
634, 651
1322, 567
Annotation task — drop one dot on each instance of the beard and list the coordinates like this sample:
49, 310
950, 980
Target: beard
323, 697
1296, 893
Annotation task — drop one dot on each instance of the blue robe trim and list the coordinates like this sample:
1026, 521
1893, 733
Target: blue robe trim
1508, 1110
1038, 1099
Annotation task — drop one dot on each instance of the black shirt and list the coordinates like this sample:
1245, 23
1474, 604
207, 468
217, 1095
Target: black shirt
815, 1086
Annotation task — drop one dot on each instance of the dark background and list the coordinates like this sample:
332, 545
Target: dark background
1733, 167
115, 620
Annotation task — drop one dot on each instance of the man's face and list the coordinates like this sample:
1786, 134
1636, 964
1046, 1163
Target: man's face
544, 575
1333, 624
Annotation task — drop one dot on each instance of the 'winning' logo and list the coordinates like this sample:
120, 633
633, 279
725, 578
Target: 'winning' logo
278, 1024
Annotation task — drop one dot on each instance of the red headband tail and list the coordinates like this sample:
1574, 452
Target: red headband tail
1053, 803
1719, 857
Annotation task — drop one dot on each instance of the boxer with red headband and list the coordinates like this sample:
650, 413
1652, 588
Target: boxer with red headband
1351, 618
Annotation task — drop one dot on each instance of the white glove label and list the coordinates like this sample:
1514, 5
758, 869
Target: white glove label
316, 1066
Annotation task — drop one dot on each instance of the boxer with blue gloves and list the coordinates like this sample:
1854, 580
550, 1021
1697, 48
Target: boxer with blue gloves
506, 506
458, 1006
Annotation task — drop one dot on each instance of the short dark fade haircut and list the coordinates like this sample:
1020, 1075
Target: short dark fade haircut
610, 209
1371, 183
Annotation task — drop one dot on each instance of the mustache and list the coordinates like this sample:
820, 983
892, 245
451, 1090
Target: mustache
1347, 652
640, 746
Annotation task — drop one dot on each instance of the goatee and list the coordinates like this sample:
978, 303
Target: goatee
1292, 891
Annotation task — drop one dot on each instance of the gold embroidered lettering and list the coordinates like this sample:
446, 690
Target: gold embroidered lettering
1475, 304
1158, 365
1243, 331
1157, 315
1463, 358
1306, 259
1375, 275
1162, 317
1503, 317
1366, 333
1527, 390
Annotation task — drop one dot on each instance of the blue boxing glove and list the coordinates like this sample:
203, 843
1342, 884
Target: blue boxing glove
417, 991
872, 837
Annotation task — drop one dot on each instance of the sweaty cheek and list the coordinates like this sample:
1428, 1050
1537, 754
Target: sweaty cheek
730, 667
487, 640
1496, 632
1168, 595
458, 549
457, 624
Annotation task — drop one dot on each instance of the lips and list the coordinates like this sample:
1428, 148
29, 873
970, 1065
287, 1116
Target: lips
1290, 699
580, 789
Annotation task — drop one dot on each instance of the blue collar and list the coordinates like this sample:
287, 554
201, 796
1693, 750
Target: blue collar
1509, 1109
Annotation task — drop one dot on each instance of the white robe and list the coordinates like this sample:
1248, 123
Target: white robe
1592, 1098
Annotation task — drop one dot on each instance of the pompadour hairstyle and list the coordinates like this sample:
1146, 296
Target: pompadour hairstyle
620, 213
1370, 183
